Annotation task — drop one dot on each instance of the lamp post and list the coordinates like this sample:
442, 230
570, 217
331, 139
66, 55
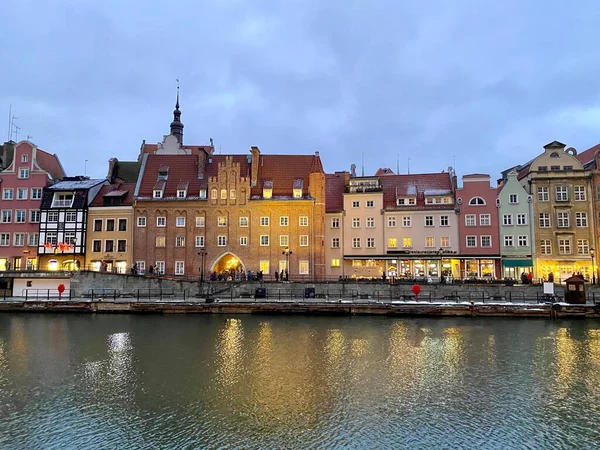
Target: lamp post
202, 255
287, 252
441, 252
592, 254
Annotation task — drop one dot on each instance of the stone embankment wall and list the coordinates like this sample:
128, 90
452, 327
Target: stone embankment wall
83, 282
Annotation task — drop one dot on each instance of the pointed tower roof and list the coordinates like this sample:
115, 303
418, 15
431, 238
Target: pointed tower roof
316, 166
177, 125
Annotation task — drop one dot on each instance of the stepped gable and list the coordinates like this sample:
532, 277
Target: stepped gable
335, 185
180, 168
282, 170
211, 167
417, 184
124, 190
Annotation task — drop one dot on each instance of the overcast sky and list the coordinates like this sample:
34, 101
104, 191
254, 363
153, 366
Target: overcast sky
485, 83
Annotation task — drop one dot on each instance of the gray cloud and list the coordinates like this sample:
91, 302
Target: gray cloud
485, 84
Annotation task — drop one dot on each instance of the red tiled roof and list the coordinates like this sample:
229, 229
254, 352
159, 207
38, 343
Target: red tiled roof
192, 149
404, 184
112, 190
588, 155
476, 175
283, 170
383, 171
182, 168
50, 163
335, 184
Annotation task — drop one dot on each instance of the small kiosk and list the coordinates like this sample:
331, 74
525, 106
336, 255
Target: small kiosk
575, 290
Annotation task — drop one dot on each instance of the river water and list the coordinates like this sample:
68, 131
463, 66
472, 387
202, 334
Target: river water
260, 382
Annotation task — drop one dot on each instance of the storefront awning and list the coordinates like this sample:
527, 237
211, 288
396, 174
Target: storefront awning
517, 262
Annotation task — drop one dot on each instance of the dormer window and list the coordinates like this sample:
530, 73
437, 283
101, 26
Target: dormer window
157, 193
163, 173
202, 193
406, 201
268, 189
298, 183
62, 200
181, 193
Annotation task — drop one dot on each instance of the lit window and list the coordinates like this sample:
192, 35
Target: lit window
297, 193
214, 194
335, 263
264, 267
222, 221
303, 267
199, 221
429, 241
223, 194
392, 242
407, 242
445, 241
161, 241
232, 194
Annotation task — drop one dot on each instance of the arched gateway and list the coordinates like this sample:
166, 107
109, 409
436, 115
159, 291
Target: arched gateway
228, 264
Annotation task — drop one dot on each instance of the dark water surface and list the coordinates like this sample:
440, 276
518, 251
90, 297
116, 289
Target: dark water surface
202, 381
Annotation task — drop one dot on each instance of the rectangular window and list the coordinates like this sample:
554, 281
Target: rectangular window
20, 216
429, 241
407, 242
284, 221
159, 268
355, 204
264, 266
470, 220
109, 246
19, 240
243, 222
7, 194
214, 194
391, 221
122, 224
97, 223
161, 241
6, 215
370, 222
34, 215
199, 241
543, 194
335, 222
200, 221
96, 245
181, 193
297, 193
445, 241
407, 221
303, 221
4, 239
202, 194
562, 219
545, 247
444, 221
564, 246
303, 267
36, 193
485, 220
579, 193
24, 158
355, 242
62, 201
180, 222
370, 242
157, 193
583, 247
284, 240
161, 222
69, 237
23, 173
581, 220
264, 221
34, 239
304, 240
486, 241
70, 216
428, 221
224, 194
244, 240
222, 221
121, 245
52, 216
110, 224
521, 219
335, 242
513, 199
562, 193
392, 242
509, 241
523, 241
335, 263
370, 203
141, 221
141, 265
22, 193
52, 238
221, 241
355, 222
471, 241
179, 267
180, 241
264, 240
544, 220
507, 219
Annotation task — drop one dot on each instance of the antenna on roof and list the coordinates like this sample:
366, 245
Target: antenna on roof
85, 168
9, 121
397, 164
408, 166
362, 164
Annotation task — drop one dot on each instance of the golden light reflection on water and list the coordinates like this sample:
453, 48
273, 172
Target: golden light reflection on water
453, 351
593, 354
18, 346
566, 359
229, 352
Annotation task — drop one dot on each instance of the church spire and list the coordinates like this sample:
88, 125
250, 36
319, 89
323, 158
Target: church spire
176, 125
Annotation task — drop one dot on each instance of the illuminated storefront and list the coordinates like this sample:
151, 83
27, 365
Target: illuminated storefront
561, 270
479, 268
408, 269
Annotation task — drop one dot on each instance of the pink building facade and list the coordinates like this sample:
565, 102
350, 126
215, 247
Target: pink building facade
28, 170
477, 210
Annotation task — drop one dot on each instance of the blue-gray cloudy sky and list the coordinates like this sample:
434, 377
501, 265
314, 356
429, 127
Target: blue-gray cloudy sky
488, 82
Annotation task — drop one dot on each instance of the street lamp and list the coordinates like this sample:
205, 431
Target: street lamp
287, 252
441, 252
202, 254
592, 254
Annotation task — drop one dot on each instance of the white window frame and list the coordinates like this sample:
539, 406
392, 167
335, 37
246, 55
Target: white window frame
22, 193
200, 221
473, 238
179, 267
485, 220
141, 221
161, 221
470, 220
303, 240
284, 221
221, 241
243, 222
485, 236
180, 222
303, 221
509, 240
406, 221
199, 241
264, 221
543, 193
243, 240
264, 240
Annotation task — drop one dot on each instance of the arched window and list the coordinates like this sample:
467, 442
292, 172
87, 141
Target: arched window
554, 155
476, 201
223, 194
232, 194
213, 194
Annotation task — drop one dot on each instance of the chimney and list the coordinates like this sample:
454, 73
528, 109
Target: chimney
254, 164
112, 163
202, 157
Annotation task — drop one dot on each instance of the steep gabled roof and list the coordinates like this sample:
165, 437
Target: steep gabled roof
417, 183
181, 168
50, 163
588, 155
283, 170
123, 190
335, 185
